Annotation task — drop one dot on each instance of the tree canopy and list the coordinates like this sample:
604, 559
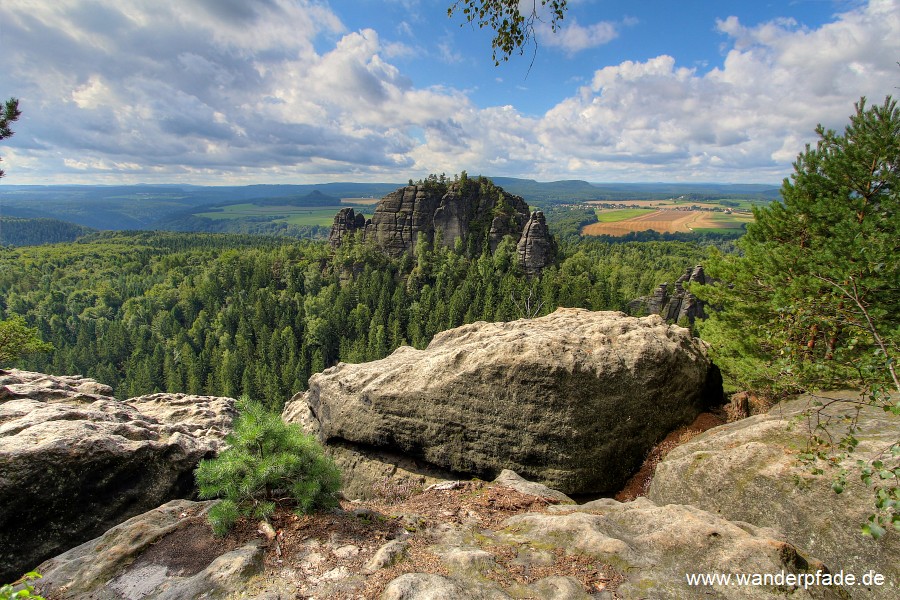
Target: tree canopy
513, 27
815, 299
8, 115
18, 339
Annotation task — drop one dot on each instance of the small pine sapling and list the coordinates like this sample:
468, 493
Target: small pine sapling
268, 462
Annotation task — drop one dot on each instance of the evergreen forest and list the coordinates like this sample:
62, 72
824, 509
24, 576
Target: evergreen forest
228, 314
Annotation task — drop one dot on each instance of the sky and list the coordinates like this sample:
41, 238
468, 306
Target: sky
231, 92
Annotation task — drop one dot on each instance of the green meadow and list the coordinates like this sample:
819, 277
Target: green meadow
295, 215
622, 214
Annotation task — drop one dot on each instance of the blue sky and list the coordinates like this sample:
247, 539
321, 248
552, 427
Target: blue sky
302, 91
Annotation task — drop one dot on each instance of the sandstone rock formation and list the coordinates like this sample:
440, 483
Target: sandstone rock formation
749, 471
652, 548
573, 400
459, 210
75, 461
676, 304
346, 221
128, 561
536, 248
469, 540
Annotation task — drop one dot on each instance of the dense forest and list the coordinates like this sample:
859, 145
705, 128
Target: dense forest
233, 314
15, 231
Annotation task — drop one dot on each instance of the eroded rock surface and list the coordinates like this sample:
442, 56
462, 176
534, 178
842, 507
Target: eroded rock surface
536, 248
636, 549
152, 556
75, 461
749, 471
471, 540
573, 400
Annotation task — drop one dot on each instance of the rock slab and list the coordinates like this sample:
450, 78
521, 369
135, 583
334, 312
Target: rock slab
75, 461
119, 565
573, 400
644, 551
749, 471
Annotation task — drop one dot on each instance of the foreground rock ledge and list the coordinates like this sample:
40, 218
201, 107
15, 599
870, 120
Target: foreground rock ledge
75, 461
573, 400
748, 471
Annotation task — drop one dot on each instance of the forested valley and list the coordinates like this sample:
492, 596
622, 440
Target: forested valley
234, 314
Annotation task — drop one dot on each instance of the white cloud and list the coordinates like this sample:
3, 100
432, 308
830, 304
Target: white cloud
744, 121
221, 91
573, 37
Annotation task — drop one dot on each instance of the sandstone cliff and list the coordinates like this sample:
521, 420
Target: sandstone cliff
346, 221
536, 248
573, 400
474, 211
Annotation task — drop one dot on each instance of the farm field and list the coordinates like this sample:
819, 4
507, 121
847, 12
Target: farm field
295, 215
621, 214
667, 221
659, 204
360, 201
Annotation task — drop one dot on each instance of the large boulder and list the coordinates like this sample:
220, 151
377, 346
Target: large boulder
75, 461
749, 471
573, 400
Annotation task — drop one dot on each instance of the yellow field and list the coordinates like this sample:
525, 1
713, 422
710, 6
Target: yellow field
668, 221
363, 201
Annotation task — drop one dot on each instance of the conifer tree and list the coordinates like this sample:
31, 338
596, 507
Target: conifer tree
8, 115
814, 301
267, 461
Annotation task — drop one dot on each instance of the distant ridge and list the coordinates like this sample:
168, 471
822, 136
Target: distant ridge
144, 206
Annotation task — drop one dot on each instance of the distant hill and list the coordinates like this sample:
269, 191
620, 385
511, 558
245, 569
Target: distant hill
16, 231
314, 198
156, 206
557, 192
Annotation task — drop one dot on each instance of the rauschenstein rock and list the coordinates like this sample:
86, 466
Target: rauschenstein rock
749, 471
573, 400
88, 461
467, 210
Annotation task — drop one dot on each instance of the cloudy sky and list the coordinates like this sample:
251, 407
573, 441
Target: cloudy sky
302, 91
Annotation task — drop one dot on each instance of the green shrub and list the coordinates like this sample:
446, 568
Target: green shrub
267, 462
7, 590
